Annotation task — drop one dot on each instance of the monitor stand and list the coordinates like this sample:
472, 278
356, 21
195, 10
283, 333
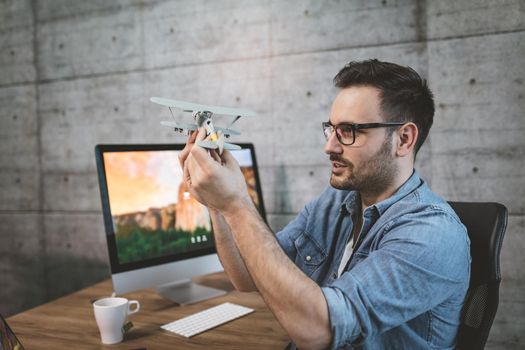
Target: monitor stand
187, 292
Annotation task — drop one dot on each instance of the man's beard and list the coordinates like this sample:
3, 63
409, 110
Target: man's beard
373, 176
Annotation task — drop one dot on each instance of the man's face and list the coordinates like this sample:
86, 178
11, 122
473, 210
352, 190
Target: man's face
369, 164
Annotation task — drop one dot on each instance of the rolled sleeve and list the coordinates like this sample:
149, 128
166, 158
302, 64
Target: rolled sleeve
342, 318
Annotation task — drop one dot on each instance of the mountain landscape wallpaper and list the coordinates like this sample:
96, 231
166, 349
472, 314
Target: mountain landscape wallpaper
153, 212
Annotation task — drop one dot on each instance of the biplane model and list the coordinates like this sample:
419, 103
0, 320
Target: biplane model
202, 115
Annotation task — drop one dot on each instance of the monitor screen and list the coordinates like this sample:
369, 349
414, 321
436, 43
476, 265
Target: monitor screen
150, 216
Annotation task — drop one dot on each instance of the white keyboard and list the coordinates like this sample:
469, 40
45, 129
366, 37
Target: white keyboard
206, 319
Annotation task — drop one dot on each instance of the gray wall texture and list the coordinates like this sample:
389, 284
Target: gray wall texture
77, 73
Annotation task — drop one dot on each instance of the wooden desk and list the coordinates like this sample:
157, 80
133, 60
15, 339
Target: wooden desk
69, 322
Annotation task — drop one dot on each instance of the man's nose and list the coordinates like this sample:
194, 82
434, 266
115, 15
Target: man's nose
333, 145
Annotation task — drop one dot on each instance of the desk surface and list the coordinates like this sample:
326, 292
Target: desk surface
69, 322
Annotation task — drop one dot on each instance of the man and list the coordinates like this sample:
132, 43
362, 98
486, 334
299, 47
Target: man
377, 261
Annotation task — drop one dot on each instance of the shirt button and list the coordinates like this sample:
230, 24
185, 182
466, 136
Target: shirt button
308, 258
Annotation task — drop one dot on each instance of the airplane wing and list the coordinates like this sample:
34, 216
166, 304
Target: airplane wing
227, 131
231, 111
185, 106
231, 146
192, 107
172, 124
214, 145
208, 144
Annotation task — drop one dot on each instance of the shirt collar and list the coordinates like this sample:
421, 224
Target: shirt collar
413, 182
351, 202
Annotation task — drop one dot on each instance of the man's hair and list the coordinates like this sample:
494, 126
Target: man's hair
404, 95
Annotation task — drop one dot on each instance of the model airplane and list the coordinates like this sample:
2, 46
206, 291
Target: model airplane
202, 115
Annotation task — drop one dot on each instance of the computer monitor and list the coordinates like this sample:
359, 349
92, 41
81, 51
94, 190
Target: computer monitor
157, 233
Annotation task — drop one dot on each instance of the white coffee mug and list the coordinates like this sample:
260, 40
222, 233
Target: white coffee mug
110, 314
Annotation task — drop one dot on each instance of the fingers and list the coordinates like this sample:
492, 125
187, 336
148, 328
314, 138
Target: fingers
192, 183
215, 156
192, 171
192, 139
202, 158
186, 175
198, 160
229, 160
186, 150
201, 135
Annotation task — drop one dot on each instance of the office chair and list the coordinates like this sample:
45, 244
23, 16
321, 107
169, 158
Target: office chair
486, 224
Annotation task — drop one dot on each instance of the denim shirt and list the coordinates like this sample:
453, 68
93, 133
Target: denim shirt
407, 277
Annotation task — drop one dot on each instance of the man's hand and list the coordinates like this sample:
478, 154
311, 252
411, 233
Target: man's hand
183, 155
186, 150
215, 181
224, 242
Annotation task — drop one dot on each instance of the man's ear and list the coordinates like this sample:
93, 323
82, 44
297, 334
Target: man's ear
406, 137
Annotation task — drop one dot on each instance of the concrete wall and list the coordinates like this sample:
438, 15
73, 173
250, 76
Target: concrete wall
74, 74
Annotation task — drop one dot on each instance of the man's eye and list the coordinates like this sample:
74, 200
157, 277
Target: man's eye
345, 129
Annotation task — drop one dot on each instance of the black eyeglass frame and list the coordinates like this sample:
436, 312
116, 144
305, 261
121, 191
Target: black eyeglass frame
354, 127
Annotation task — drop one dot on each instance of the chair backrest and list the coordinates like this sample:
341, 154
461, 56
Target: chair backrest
486, 224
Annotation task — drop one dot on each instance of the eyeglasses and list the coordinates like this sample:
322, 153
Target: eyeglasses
345, 132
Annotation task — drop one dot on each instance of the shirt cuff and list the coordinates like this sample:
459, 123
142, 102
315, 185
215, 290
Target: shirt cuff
343, 323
